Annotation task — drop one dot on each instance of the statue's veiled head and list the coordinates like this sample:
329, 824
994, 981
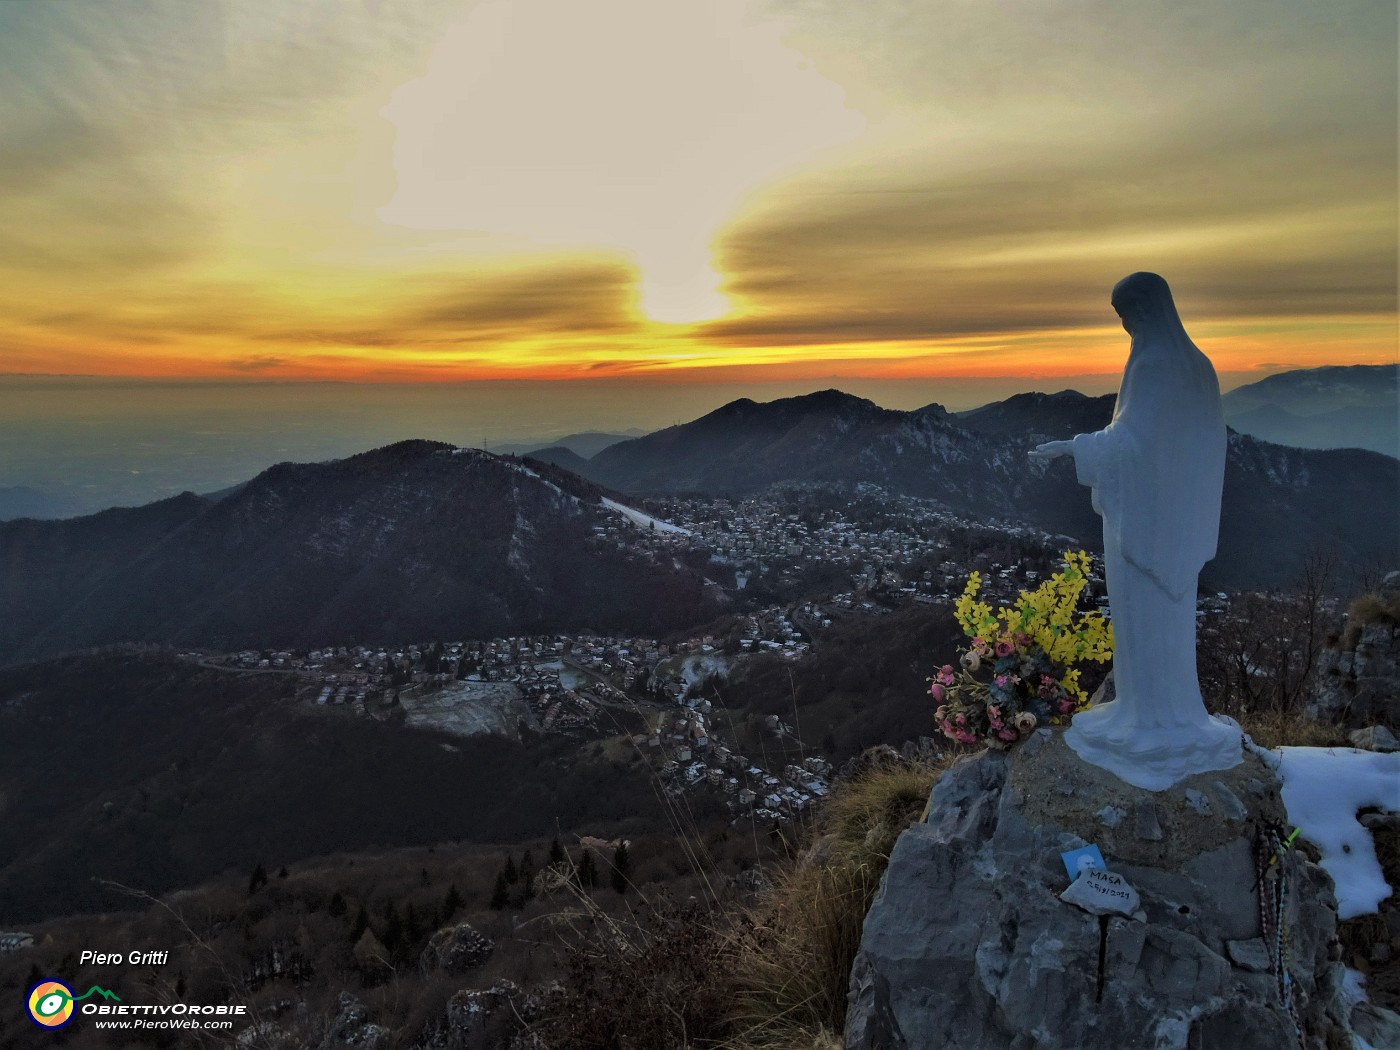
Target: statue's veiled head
1145, 304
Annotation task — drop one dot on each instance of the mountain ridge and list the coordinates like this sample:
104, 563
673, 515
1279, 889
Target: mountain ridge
409, 540
976, 462
1334, 406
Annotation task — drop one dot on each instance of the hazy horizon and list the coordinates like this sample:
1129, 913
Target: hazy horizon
95, 442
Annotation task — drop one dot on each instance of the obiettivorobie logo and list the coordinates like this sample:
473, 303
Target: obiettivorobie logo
51, 1002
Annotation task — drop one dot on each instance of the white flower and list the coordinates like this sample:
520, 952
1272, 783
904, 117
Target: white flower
971, 661
1025, 722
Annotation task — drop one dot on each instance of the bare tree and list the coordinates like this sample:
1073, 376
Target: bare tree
1258, 655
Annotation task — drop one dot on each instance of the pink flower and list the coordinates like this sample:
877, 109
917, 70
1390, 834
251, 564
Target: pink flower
938, 692
945, 676
964, 738
1007, 734
980, 646
1005, 648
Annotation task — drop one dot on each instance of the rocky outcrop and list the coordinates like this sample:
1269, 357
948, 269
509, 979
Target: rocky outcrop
455, 950
1358, 685
968, 945
352, 1027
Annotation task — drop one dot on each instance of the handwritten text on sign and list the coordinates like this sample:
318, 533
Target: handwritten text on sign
1102, 893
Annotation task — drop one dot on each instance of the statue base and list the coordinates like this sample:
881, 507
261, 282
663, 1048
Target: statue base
969, 944
1153, 757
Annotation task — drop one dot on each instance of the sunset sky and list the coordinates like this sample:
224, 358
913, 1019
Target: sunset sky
707, 190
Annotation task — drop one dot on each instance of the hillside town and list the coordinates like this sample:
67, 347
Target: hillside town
914, 548
649, 695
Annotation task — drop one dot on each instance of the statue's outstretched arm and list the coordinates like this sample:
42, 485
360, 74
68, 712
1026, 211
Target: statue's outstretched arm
1052, 450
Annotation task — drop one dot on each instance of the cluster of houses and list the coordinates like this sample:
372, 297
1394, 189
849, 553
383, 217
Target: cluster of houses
700, 761
876, 538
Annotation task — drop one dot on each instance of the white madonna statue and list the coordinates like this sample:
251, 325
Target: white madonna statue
1156, 473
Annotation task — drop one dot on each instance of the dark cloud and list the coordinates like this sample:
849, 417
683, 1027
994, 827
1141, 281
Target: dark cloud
580, 298
907, 259
259, 363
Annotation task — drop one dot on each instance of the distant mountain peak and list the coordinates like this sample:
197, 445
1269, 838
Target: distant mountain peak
1334, 406
829, 398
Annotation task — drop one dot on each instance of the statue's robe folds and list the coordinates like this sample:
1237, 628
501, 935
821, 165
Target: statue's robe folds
1156, 472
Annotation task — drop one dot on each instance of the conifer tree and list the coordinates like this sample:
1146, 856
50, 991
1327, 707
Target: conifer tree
412, 928
587, 870
393, 927
510, 872
452, 903
500, 896
358, 927
556, 852
527, 877
336, 907
621, 868
257, 880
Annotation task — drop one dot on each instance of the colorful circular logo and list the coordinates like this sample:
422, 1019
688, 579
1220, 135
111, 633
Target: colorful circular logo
51, 1004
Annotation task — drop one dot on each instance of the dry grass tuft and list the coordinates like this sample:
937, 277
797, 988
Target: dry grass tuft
1291, 729
792, 963
1366, 610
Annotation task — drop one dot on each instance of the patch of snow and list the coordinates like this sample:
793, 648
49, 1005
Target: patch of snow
1323, 788
697, 668
468, 709
1353, 986
641, 520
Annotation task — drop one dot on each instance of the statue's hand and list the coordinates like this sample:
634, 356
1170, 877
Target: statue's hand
1052, 450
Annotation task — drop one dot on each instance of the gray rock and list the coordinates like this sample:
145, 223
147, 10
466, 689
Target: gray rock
1104, 693
872, 759
1379, 821
455, 949
1198, 802
1145, 822
1102, 893
474, 1008
1378, 1026
1111, 815
1229, 802
967, 945
1036, 740
351, 1026
1374, 738
1251, 955
1360, 687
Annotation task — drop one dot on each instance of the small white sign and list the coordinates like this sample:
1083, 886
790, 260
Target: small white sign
1102, 892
